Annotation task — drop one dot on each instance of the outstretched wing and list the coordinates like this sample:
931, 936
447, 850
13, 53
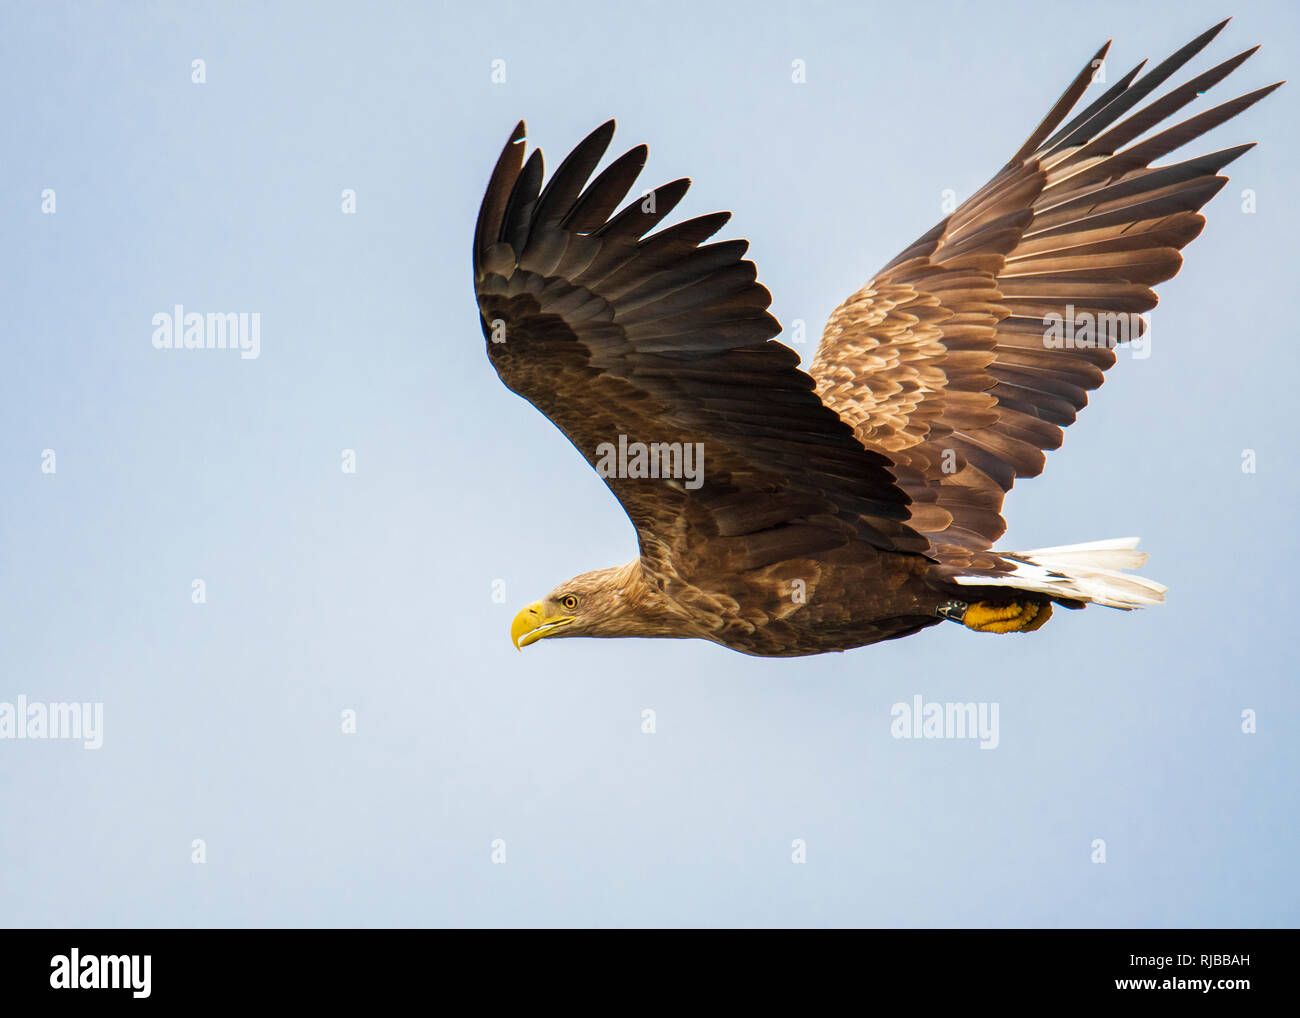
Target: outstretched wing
970, 352
657, 339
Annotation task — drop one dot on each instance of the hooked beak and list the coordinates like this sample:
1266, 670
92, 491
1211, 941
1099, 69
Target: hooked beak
531, 624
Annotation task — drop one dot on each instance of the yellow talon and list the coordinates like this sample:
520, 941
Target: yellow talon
1016, 617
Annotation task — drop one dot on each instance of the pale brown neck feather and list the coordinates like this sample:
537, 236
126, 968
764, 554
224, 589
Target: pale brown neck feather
642, 610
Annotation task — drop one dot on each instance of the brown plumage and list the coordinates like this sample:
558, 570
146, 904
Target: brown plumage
855, 503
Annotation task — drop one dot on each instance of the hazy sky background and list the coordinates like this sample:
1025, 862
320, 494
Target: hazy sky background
372, 592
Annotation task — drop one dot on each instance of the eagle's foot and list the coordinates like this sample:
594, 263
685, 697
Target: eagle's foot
1016, 617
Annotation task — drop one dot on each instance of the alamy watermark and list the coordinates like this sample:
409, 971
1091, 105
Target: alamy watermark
75, 971
26, 719
1089, 330
217, 330
934, 720
678, 460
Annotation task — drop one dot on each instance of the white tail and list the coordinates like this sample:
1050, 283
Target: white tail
1092, 572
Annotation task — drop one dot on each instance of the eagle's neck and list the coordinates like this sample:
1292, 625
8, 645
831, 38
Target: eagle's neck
644, 610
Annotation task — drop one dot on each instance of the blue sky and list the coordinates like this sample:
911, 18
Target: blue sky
371, 591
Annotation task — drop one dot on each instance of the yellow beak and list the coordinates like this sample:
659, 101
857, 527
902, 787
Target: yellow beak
531, 624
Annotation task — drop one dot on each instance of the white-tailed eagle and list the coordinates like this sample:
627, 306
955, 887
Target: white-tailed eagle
780, 512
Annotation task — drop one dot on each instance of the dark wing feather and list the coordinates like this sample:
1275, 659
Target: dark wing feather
611, 330
942, 360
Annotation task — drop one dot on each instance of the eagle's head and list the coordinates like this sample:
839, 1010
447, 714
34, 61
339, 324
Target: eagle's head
615, 602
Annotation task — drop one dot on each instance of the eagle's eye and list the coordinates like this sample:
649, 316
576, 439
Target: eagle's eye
569, 602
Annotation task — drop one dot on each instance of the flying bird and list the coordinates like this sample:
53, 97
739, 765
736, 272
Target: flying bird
782, 513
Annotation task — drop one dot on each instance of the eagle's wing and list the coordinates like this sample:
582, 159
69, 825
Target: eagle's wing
613, 331
945, 360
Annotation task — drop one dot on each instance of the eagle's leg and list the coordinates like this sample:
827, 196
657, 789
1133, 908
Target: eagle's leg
985, 617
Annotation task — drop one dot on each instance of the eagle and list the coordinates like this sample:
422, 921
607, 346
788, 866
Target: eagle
780, 512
